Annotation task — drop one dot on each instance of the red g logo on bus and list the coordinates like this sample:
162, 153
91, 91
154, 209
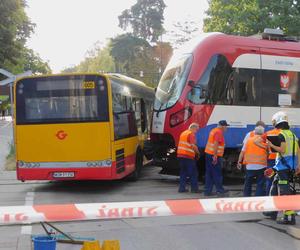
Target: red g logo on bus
61, 135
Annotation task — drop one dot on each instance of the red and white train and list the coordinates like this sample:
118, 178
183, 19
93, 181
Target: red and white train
240, 79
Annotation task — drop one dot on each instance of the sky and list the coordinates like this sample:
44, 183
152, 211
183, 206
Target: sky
66, 29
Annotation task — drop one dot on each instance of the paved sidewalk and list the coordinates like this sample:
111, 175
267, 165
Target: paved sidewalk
5, 139
6, 118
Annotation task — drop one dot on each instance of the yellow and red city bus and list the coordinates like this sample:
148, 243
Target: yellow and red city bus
81, 126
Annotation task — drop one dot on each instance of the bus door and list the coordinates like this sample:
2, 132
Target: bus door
125, 133
281, 85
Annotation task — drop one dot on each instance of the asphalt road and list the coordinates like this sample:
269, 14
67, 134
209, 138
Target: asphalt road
240, 231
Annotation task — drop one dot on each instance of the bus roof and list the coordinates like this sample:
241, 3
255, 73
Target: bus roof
126, 78
109, 75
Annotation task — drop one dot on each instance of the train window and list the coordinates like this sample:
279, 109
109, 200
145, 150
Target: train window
245, 87
275, 83
221, 84
197, 95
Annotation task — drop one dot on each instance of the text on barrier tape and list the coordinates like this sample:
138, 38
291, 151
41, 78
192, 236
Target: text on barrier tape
118, 210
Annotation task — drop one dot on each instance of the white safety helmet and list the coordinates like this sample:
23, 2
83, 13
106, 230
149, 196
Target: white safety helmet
279, 117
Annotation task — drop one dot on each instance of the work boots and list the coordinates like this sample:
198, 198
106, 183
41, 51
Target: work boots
285, 220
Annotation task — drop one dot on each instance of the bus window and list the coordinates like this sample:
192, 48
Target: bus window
143, 116
124, 116
61, 100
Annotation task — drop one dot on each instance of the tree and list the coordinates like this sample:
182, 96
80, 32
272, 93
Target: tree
28, 60
134, 55
145, 18
126, 48
15, 29
183, 32
162, 53
98, 60
32, 61
248, 17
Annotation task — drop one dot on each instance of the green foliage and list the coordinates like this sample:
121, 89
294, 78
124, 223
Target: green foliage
15, 29
135, 56
5, 104
126, 48
98, 60
248, 17
4, 98
145, 18
28, 60
32, 61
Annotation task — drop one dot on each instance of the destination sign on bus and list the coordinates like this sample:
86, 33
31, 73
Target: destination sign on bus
61, 84
89, 85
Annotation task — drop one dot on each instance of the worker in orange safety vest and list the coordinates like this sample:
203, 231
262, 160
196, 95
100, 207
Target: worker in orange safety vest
214, 151
187, 153
254, 155
252, 133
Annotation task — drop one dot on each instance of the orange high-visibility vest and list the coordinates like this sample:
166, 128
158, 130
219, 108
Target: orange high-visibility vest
254, 154
273, 132
251, 134
209, 149
184, 147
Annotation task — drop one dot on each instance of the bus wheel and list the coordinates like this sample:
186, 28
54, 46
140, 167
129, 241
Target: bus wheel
138, 166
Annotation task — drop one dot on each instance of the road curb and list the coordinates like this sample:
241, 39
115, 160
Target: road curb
294, 231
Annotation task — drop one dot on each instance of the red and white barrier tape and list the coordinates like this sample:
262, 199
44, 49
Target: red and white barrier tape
116, 210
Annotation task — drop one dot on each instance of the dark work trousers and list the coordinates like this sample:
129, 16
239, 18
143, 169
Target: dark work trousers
280, 185
213, 175
269, 181
254, 176
188, 169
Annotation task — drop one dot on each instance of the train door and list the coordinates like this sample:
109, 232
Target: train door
243, 93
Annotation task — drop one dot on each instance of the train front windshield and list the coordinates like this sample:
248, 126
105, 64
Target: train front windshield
62, 99
172, 82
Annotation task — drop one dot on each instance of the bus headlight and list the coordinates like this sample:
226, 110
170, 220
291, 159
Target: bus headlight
20, 164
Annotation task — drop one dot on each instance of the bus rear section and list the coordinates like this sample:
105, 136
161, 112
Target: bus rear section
62, 129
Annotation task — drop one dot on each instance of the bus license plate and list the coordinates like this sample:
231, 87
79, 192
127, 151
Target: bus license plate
63, 174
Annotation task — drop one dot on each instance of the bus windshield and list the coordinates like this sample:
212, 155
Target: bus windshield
60, 99
172, 82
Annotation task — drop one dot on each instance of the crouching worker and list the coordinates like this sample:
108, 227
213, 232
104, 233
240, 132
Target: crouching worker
187, 153
287, 163
254, 155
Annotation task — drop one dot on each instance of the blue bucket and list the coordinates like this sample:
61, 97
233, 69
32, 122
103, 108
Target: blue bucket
44, 243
